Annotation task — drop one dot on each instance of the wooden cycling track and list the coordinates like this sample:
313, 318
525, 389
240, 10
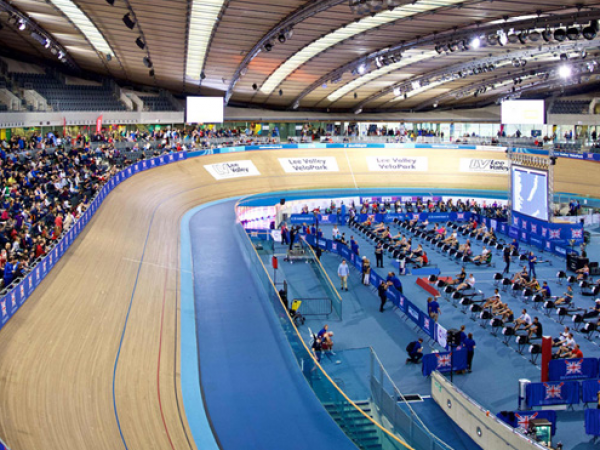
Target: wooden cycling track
57, 354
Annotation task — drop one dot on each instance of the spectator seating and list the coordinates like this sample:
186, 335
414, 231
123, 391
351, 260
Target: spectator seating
570, 107
71, 97
157, 103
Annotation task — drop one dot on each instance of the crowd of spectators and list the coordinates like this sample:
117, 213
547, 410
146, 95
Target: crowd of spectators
44, 191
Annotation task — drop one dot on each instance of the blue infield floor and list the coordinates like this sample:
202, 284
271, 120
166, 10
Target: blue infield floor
255, 394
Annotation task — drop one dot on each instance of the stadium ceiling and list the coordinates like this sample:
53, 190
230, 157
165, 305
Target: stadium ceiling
337, 55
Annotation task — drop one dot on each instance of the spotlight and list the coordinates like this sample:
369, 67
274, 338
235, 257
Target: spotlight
379, 62
151, 72
523, 37
523, 62
281, 38
111, 2
563, 57
452, 46
268, 46
534, 36
572, 33
502, 38
140, 43
296, 105
547, 35
435, 105
202, 75
397, 91
358, 111
362, 69
280, 92
128, 21
255, 86
475, 42
463, 45
22, 25
512, 38
47, 43
492, 39
564, 71
560, 34
108, 57
147, 62
583, 54
438, 49
590, 31
516, 63
355, 95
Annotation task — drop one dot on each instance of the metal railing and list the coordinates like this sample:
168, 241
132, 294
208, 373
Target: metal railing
393, 406
342, 409
314, 306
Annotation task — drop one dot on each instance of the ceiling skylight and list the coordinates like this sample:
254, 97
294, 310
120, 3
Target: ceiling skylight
407, 59
202, 21
352, 29
85, 25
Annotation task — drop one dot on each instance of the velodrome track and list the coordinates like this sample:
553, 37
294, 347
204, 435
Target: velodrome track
57, 355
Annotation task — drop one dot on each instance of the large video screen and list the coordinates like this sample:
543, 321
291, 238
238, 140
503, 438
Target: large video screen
530, 192
523, 112
204, 110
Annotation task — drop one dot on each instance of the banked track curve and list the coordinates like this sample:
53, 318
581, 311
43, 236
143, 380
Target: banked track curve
57, 353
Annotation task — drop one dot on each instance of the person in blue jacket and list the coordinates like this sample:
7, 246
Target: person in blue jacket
469, 344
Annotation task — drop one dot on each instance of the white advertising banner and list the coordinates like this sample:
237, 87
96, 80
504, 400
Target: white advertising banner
441, 335
232, 169
490, 166
310, 164
397, 163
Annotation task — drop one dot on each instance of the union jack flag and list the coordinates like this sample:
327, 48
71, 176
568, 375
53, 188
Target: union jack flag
544, 231
574, 367
524, 224
577, 234
553, 390
426, 324
523, 421
443, 360
3, 304
14, 299
516, 221
460, 216
554, 234
533, 228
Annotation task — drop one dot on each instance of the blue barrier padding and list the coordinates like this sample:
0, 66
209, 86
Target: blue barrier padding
445, 361
592, 422
521, 419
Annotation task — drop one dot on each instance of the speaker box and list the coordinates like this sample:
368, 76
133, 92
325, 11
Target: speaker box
282, 201
453, 337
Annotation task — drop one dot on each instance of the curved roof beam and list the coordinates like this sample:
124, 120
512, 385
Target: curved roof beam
294, 18
50, 42
548, 68
432, 39
352, 29
407, 85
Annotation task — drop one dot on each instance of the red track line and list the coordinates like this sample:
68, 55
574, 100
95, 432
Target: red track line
162, 318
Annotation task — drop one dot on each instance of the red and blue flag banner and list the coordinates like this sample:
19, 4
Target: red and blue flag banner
592, 422
573, 369
521, 419
552, 393
444, 362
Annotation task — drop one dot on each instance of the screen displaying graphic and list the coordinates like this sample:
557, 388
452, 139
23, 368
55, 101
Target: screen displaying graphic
523, 112
530, 192
204, 110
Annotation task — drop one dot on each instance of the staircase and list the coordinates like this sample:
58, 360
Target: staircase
360, 429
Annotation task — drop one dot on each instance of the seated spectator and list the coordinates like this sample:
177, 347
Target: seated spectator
583, 273
483, 256
566, 298
415, 351
524, 320
468, 284
534, 329
460, 278
566, 348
